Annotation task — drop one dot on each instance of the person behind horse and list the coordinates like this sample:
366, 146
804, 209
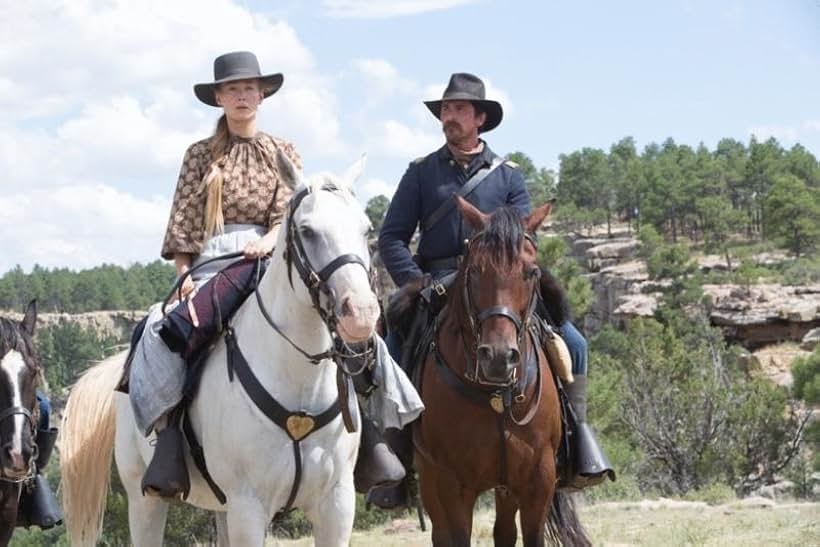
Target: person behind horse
229, 197
431, 181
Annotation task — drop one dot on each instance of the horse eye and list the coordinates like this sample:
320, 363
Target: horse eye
307, 232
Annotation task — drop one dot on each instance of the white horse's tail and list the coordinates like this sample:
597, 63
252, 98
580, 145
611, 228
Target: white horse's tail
86, 446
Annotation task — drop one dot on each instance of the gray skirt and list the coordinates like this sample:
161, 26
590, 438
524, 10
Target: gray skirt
157, 375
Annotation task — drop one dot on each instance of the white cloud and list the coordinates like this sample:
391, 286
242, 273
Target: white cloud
79, 226
397, 140
373, 187
379, 9
786, 133
381, 80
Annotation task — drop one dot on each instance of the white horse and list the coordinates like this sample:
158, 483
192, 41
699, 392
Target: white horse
249, 457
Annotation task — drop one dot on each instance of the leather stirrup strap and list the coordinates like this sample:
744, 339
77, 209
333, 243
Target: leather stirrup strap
198, 455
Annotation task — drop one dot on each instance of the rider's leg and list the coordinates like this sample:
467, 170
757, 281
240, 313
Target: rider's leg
376, 463
591, 465
38, 506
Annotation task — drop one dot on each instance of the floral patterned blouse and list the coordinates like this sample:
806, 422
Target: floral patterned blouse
252, 192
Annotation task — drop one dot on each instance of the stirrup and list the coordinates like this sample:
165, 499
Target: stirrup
167, 474
376, 464
590, 464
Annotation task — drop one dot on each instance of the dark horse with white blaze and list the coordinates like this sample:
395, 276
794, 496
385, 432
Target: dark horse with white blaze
492, 418
19, 375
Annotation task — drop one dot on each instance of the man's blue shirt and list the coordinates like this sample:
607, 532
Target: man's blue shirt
426, 184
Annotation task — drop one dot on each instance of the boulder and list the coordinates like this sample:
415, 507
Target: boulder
810, 340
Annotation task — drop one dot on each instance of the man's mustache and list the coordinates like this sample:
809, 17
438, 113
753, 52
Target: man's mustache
451, 124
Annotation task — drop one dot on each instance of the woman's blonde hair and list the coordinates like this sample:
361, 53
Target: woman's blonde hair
214, 221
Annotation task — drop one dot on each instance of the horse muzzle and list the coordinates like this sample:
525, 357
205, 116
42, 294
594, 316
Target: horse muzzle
356, 317
16, 464
498, 362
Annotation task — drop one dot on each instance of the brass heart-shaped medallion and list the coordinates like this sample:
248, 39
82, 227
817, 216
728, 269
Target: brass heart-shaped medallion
299, 427
497, 403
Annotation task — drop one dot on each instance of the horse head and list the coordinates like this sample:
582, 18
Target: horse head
498, 282
19, 374
325, 238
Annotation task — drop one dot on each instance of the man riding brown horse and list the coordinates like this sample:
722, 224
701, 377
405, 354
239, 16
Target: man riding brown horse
466, 166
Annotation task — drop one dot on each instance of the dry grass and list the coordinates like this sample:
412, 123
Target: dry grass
643, 524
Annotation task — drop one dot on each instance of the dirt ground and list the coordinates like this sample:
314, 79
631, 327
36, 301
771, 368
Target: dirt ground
667, 523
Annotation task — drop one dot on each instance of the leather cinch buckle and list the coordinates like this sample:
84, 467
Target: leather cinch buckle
440, 289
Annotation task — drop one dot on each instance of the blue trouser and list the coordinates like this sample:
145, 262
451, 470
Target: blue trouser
45, 411
576, 343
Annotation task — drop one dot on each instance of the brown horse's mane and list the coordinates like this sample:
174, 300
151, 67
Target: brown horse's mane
498, 246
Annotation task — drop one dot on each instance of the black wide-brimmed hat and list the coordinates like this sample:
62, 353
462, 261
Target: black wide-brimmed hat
467, 87
238, 65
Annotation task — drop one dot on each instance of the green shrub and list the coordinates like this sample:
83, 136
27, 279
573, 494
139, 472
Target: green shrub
716, 493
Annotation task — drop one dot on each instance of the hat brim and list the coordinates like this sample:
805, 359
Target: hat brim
206, 92
493, 109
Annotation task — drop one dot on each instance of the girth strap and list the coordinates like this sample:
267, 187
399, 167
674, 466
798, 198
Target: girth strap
298, 425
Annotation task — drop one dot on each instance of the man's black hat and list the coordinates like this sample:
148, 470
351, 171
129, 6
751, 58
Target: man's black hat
467, 87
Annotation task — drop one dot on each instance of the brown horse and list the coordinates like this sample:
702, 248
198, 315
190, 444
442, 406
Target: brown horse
492, 418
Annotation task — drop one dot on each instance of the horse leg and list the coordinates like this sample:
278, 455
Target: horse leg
146, 514
247, 521
536, 501
450, 506
6, 531
332, 516
504, 531
221, 518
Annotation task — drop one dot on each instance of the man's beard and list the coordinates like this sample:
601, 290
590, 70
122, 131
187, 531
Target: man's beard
453, 132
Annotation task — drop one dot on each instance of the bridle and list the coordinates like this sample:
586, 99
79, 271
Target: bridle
9, 412
477, 320
317, 286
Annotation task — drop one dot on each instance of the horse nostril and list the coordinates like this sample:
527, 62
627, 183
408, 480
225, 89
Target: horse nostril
513, 356
484, 353
347, 309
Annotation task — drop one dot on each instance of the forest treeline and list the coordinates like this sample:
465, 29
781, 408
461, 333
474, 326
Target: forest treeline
760, 191
106, 287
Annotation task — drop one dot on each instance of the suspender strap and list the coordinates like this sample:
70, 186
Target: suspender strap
464, 191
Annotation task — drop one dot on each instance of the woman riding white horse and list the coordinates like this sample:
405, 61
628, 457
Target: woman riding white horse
250, 458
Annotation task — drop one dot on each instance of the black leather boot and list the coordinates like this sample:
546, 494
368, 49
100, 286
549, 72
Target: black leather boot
38, 506
167, 474
399, 494
376, 464
590, 466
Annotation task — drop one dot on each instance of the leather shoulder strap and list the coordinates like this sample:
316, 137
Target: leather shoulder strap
464, 191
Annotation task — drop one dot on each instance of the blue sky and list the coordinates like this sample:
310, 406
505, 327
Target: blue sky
98, 107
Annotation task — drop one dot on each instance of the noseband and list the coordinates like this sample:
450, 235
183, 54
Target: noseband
16, 411
317, 286
477, 320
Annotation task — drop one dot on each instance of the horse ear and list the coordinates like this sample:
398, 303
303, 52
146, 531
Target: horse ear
288, 172
354, 171
533, 221
30, 318
475, 218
